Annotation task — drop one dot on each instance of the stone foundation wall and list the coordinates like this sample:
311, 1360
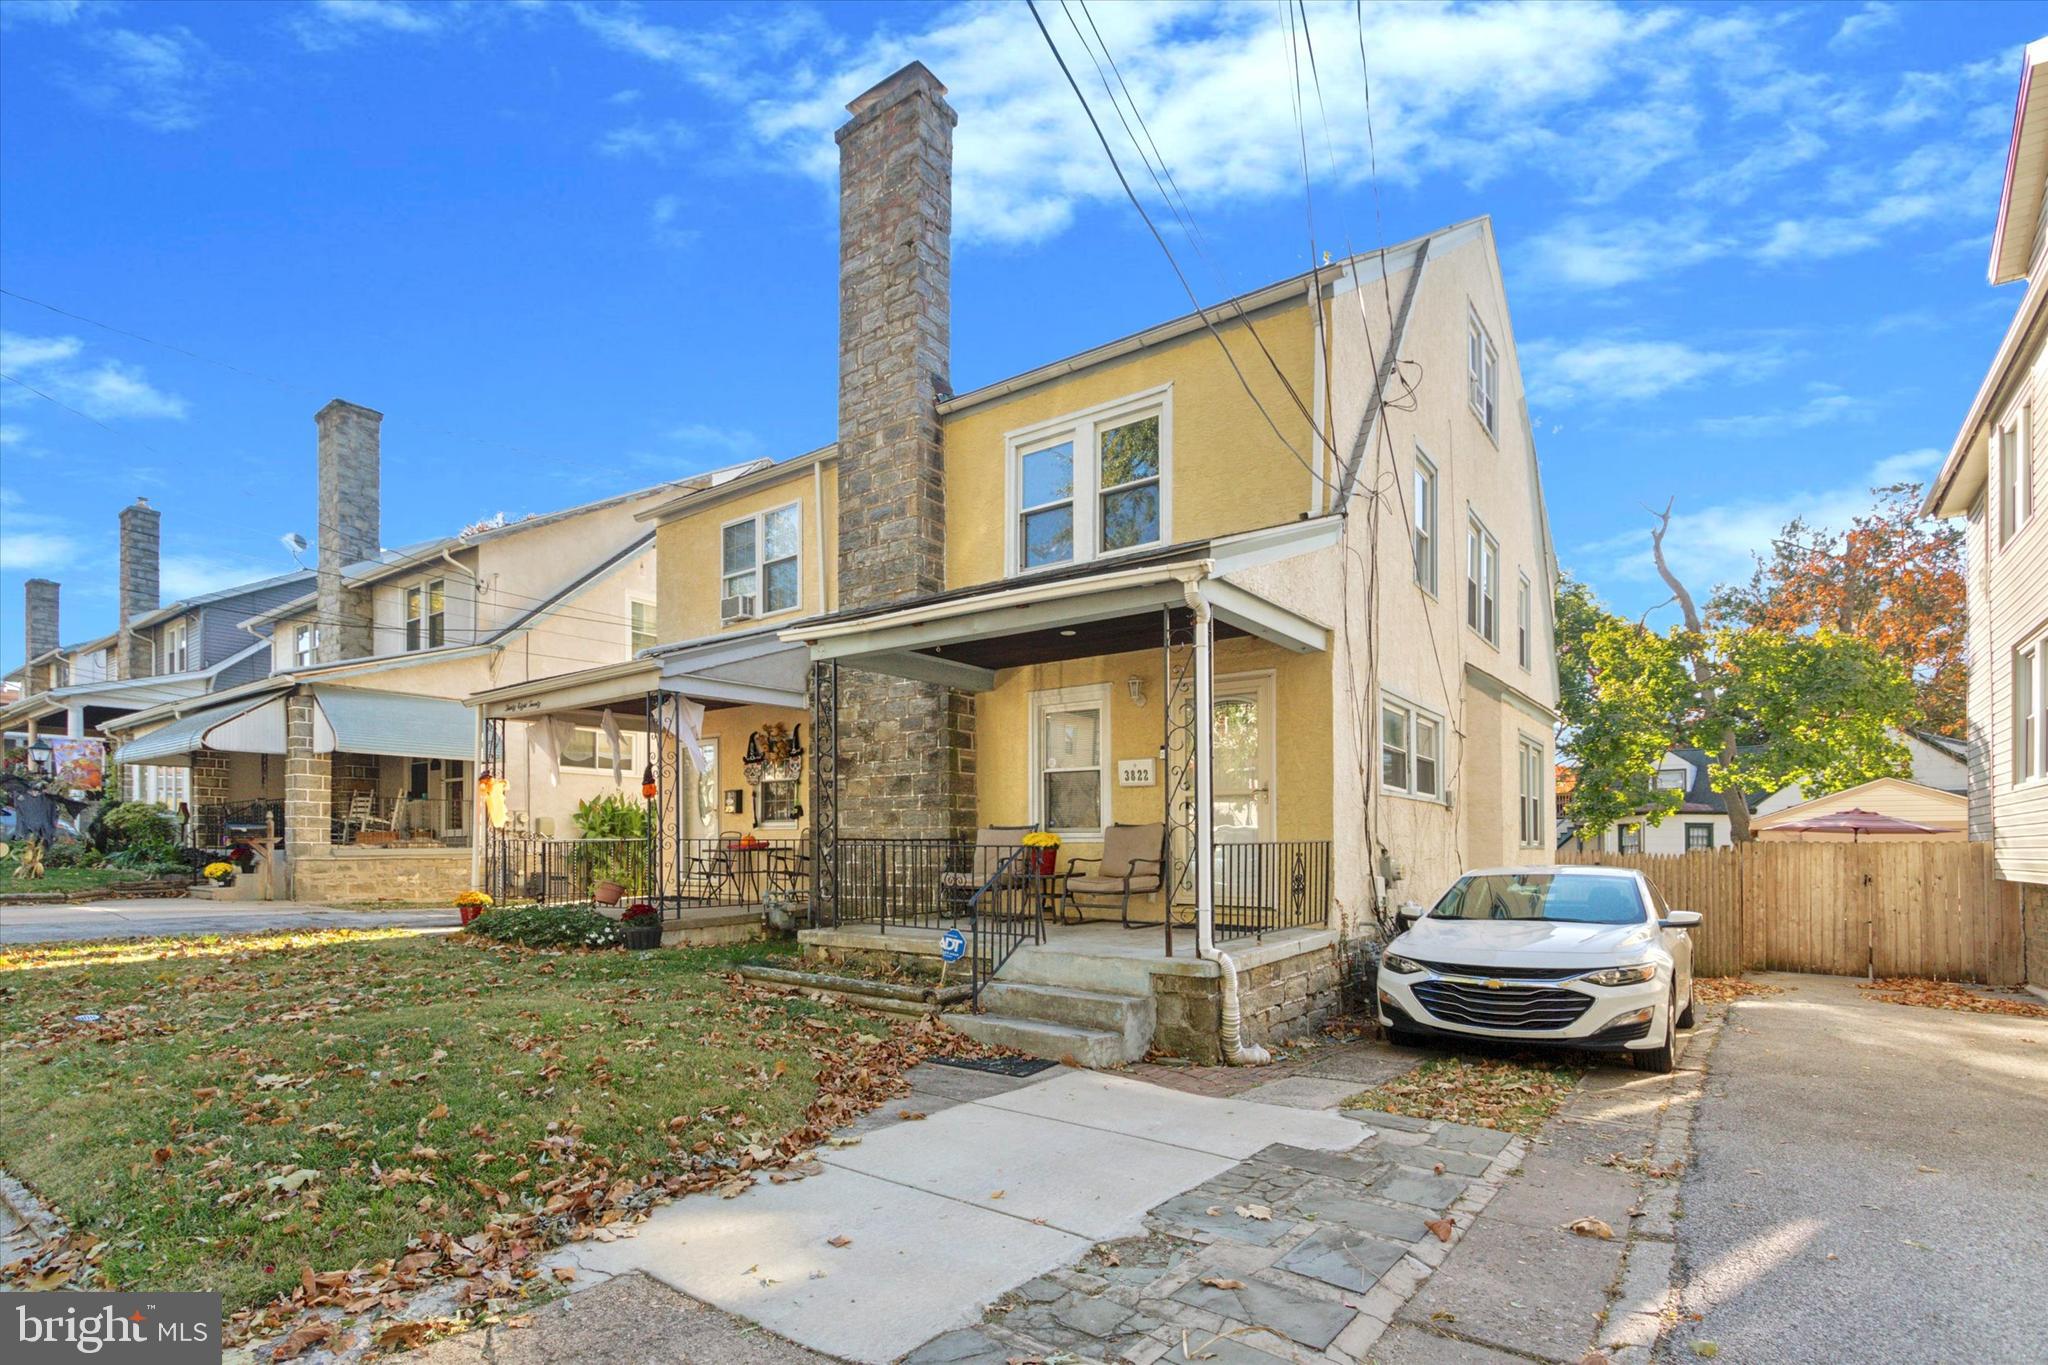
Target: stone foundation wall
1189, 1018
1289, 999
400, 876
2034, 934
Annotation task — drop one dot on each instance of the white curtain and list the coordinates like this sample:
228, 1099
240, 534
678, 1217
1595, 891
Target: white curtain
688, 728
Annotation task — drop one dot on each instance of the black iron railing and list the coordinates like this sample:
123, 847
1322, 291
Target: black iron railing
568, 871
1005, 912
906, 883
218, 826
730, 871
1266, 887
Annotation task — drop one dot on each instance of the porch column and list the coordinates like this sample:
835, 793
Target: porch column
74, 722
209, 780
1199, 756
308, 779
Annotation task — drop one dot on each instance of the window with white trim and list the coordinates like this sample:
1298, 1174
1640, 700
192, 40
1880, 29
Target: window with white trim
641, 633
1525, 625
1671, 779
426, 615
1425, 514
763, 556
305, 644
176, 654
587, 748
1533, 789
2015, 475
1482, 375
1411, 750
2030, 712
1089, 485
1482, 581
1070, 760
777, 803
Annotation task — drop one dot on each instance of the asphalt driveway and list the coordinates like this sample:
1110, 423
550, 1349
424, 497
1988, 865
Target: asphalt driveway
1870, 1182
163, 918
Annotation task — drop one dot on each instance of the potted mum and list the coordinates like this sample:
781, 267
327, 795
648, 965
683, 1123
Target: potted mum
219, 873
1045, 851
470, 904
641, 925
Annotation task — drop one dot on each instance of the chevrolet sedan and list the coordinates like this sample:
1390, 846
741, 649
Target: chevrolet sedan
1580, 957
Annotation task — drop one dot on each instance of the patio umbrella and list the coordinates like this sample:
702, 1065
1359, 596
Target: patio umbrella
1857, 823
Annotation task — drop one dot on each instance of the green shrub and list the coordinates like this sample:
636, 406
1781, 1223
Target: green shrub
70, 854
141, 831
612, 816
548, 926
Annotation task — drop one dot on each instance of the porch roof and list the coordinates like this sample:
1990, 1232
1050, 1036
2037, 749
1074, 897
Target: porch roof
346, 720
963, 637
750, 668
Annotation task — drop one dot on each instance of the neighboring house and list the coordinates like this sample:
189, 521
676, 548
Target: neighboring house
1946, 813
191, 648
356, 745
1996, 476
1017, 603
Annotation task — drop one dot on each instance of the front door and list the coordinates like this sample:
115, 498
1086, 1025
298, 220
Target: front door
1241, 783
707, 795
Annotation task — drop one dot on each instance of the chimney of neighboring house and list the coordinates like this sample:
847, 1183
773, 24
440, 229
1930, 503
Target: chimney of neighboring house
39, 619
141, 544
349, 528
906, 749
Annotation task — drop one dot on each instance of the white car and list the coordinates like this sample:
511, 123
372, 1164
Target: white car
1582, 957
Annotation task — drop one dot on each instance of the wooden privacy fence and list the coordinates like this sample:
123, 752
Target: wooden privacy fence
1901, 908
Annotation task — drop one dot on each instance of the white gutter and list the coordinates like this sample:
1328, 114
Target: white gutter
1316, 418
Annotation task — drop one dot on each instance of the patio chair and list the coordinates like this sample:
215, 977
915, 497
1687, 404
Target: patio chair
713, 871
1133, 863
992, 846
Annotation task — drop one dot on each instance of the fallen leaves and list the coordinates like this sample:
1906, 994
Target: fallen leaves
1591, 1227
1257, 1212
1506, 1096
1948, 995
1723, 990
840, 1241
1218, 1282
1442, 1227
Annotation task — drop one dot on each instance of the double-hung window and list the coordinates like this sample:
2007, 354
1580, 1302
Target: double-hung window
763, 558
1424, 512
1628, 838
2015, 442
1482, 581
586, 747
1070, 767
1411, 750
1533, 790
1698, 836
426, 615
305, 644
1525, 627
640, 629
1089, 485
2030, 712
1482, 375
177, 651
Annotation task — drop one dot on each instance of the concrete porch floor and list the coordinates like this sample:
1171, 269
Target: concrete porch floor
1125, 952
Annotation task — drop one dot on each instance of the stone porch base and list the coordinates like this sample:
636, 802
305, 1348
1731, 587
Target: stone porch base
399, 876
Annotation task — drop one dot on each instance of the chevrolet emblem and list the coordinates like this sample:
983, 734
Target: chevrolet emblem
1493, 985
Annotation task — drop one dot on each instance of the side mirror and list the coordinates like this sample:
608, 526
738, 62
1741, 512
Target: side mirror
1407, 915
1680, 919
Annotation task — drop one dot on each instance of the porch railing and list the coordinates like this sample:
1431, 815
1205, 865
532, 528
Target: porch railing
904, 883
218, 825
1005, 912
406, 822
1266, 887
726, 871
567, 871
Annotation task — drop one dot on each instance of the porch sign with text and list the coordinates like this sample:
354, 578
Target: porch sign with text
116, 1329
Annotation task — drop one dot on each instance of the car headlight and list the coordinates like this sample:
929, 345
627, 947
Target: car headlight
1623, 976
1400, 966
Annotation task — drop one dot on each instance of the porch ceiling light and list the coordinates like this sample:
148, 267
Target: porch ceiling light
1066, 632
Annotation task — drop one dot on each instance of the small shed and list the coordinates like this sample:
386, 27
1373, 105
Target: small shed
1945, 814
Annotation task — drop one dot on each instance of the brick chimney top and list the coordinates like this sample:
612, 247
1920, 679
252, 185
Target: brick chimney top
911, 80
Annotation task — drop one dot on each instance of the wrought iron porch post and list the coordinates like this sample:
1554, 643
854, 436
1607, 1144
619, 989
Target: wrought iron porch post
1182, 728
497, 852
825, 794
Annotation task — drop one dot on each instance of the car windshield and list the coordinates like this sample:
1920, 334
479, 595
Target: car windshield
1555, 896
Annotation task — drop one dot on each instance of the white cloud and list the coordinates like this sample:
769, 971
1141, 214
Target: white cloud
1625, 368
161, 79
1864, 24
627, 96
328, 24
655, 141
106, 390
1717, 543
665, 217
729, 442
1583, 253
32, 541
56, 13
1821, 409
188, 575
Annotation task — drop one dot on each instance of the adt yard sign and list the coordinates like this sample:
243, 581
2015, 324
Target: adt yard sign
953, 946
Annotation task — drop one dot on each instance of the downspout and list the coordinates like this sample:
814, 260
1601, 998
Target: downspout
1317, 423
1235, 1051
818, 500
476, 599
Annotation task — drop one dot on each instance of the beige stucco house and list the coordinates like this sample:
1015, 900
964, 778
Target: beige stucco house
1996, 477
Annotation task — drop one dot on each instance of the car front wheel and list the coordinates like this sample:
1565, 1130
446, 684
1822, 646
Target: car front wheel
1662, 1060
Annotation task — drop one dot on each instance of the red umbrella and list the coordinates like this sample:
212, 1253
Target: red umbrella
1856, 823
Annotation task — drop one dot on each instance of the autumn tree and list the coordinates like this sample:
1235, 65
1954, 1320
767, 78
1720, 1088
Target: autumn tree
1893, 580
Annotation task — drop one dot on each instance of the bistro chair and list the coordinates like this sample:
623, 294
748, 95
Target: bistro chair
1133, 863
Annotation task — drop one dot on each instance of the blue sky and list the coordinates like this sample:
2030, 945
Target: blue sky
571, 249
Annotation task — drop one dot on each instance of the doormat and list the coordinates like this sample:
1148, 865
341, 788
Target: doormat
999, 1066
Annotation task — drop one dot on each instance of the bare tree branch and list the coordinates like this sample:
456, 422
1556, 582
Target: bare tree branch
1702, 667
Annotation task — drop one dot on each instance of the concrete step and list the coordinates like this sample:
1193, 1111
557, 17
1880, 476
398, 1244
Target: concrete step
1130, 1017
1124, 973
1036, 1038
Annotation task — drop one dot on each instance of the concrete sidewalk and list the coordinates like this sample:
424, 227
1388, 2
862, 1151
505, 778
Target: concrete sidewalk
940, 1215
172, 918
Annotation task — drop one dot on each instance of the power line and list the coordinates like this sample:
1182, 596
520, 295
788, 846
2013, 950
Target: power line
86, 415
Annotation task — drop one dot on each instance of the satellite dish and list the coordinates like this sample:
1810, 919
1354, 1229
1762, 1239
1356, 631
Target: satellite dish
295, 544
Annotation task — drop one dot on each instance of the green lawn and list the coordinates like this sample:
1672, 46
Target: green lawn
63, 878
246, 1111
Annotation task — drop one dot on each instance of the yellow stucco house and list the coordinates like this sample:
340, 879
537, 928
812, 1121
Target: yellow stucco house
1259, 597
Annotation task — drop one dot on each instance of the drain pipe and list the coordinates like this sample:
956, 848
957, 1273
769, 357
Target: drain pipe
1235, 1050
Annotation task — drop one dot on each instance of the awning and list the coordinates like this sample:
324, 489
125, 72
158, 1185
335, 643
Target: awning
757, 669
170, 745
362, 721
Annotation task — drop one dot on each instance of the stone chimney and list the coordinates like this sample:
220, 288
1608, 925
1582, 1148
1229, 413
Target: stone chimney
906, 749
141, 547
39, 619
350, 526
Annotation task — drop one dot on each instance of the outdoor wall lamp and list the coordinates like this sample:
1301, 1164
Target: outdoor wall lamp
1136, 685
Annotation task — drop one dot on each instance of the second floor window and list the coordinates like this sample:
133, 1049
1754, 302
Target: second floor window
1534, 791
1482, 366
640, 625
2015, 476
1091, 486
1525, 607
426, 615
1671, 779
1482, 582
763, 559
1411, 750
177, 648
305, 644
2030, 712
1424, 512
